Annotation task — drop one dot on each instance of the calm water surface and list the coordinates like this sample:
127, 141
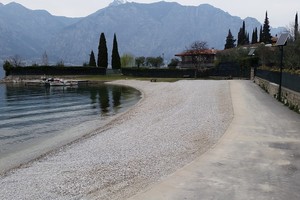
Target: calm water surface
36, 113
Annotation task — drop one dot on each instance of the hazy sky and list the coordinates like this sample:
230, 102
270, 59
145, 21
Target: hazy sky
280, 12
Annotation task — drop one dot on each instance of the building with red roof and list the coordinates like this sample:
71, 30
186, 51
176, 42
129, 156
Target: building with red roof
200, 58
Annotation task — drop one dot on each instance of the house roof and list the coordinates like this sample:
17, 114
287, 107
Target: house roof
198, 52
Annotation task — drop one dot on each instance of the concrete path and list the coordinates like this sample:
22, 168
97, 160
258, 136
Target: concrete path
257, 158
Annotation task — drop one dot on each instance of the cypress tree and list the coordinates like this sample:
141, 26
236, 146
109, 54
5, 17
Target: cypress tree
243, 36
296, 28
115, 57
254, 36
252, 40
92, 62
266, 35
102, 52
229, 41
247, 38
260, 34
240, 37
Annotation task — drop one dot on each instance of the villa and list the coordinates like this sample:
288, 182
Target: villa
203, 58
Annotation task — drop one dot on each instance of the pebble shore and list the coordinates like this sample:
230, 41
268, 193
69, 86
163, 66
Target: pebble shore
173, 124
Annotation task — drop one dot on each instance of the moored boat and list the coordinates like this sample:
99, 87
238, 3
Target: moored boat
60, 82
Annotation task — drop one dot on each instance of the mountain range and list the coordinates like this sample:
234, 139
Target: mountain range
154, 29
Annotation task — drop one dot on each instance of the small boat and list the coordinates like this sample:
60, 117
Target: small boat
60, 82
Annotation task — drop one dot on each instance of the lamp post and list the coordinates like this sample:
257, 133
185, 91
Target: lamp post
282, 40
251, 54
281, 67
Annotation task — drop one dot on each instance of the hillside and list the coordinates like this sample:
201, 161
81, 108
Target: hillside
155, 29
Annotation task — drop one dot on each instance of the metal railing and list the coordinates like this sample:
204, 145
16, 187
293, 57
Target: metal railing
289, 81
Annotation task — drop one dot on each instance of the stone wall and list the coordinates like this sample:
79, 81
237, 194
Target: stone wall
288, 97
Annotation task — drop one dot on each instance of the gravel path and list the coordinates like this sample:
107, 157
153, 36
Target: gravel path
171, 126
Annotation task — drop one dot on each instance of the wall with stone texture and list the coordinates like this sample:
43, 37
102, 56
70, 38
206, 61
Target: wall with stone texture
288, 97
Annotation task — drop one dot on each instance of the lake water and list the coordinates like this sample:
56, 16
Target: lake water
29, 115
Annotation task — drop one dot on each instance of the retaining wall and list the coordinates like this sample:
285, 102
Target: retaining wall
289, 97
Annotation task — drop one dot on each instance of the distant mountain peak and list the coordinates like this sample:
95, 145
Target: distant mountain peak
143, 30
14, 5
117, 2
206, 5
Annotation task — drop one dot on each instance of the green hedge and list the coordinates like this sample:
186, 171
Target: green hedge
164, 73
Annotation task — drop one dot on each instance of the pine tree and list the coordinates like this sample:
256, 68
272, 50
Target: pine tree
102, 52
45, 60
266, 35
115, 57
296, 28
229, 41
92, 62
254, 39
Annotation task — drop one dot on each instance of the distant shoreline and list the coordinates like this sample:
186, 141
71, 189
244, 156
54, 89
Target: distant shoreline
25, 79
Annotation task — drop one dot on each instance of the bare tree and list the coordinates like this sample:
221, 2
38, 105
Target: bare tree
198, 45
16, 61
194, 51
60, 63
45, 61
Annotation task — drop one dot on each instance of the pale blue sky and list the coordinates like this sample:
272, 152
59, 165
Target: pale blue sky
281, 12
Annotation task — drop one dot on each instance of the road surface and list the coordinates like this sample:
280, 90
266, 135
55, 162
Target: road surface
257, 158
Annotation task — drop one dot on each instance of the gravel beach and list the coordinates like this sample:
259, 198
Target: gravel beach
173, 124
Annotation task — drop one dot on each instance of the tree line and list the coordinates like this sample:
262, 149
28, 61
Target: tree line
266, 56
126, 60
102, 59
243, 38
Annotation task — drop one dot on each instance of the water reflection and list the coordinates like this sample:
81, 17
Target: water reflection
29, 112
116, 96
106, 98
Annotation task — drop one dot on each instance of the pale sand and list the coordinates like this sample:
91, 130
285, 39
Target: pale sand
172, 125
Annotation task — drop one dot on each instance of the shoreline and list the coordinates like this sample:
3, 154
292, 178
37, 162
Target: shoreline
40, 148
169, 127
26, 155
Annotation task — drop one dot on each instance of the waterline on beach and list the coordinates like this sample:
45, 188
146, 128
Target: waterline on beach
34, 120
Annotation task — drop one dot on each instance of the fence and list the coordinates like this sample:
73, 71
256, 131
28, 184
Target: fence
231, 69
289, 81
163, 73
